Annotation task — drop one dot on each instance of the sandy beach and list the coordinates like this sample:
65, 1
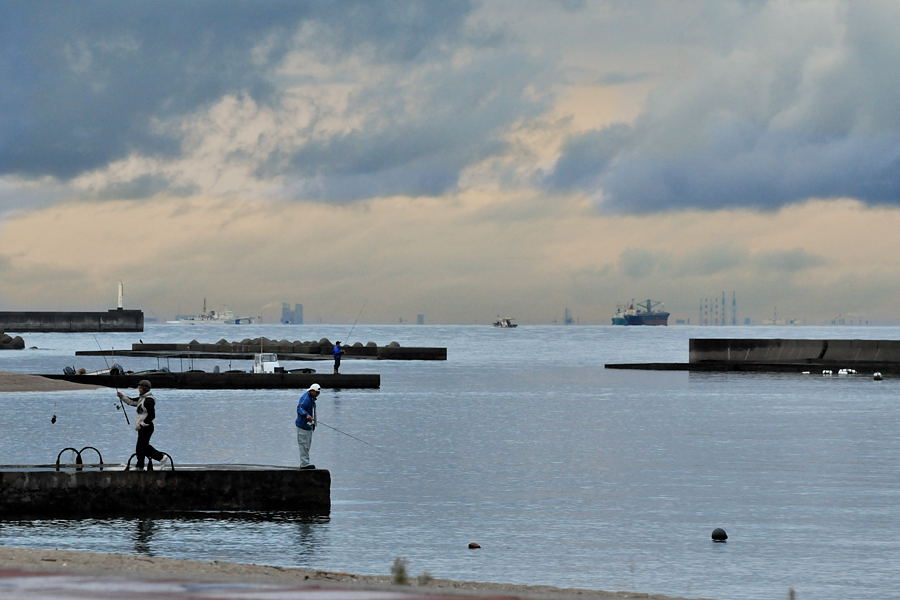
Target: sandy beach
68, 561
20, 382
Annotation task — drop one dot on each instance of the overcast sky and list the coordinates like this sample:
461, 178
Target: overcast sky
460, 159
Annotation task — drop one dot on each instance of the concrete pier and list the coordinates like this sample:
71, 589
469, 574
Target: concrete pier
228, 381
109, 492
782, 355
72, 321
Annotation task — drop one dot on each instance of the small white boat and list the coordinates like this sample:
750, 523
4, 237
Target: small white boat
505, 322
266, 363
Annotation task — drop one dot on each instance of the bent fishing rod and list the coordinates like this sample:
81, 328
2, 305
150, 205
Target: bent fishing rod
103, 354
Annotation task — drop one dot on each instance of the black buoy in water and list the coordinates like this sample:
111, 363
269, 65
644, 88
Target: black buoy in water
53, 419
719, 535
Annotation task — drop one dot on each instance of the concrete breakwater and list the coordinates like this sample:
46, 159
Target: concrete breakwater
72, 321
83, 491
748, 354
288, 350
834, 352
198, 380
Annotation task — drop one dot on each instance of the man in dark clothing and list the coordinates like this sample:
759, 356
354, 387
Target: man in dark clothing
338, 353
146, 412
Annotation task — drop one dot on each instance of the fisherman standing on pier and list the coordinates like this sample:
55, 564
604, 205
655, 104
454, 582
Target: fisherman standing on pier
146, 412
306, 423
338, 353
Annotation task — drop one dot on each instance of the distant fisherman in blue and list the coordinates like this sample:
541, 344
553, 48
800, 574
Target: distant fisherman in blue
338, 353
306, 423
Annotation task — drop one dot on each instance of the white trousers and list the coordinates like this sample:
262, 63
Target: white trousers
304, 441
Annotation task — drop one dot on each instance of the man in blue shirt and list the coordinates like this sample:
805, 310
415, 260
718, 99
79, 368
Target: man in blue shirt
306, 423
338, 353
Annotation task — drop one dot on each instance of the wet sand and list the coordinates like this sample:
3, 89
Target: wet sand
68, 561
20, 382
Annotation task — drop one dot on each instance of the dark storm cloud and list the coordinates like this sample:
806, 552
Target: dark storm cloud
87, 83
587, 156
401, 149
811, 112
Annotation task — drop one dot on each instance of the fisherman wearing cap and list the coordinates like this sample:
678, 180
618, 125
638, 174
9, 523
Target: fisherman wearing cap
306, 423
146, 412
338, 353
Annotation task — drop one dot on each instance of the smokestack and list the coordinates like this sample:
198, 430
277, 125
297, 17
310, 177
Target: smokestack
121, 303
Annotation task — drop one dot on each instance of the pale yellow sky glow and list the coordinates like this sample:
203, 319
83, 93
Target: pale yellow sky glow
577, 156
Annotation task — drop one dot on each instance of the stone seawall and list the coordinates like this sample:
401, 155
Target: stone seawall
72, 321
773, 351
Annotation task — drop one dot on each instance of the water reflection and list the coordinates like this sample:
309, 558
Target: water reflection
310, 537
143, 535
200, 536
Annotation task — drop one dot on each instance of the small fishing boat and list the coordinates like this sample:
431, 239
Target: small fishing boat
505, 322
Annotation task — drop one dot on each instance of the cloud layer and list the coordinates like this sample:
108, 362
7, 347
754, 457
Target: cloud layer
481, 157
801, 103
769, 103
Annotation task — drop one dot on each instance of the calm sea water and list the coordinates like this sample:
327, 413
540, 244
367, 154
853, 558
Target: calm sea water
567, 474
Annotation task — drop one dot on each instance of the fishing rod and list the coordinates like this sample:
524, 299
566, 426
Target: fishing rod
103, 354
318, 422
357, 320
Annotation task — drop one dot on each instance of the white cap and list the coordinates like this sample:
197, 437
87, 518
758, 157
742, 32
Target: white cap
315, 388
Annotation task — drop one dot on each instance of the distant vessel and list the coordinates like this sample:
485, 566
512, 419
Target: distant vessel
505, 322
648, 313
213, 317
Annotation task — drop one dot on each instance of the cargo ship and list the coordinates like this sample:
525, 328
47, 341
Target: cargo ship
647, 313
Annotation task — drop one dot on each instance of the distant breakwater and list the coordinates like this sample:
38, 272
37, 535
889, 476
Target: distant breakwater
296, 350
72, 321
784, 355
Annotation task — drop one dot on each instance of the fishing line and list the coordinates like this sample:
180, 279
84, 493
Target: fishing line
318, 422
357, 320
121, 405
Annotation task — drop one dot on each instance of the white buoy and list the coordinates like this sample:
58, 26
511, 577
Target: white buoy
877, 376
826, 372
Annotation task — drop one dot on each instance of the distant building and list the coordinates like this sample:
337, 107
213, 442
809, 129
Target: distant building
420, 319
291, 317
